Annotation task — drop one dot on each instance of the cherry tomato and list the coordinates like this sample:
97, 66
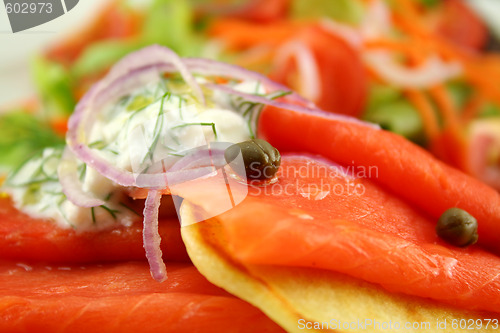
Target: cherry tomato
459, 24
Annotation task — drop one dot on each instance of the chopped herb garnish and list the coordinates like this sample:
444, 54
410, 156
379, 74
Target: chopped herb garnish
279, 94
157, 129
200, 124
139, 102
35, 181
83, 171
98, 144
92, 213
112, 212
178, 155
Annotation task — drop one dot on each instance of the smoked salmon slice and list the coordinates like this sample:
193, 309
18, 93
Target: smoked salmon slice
402, 167
316, 300
25, 238
319, 215
119, 298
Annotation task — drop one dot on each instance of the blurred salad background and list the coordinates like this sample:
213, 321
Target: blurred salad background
425, 69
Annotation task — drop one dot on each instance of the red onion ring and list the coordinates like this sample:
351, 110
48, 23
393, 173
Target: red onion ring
71, 186
151, 237
134, 69
210, 155
292, 107
212, 67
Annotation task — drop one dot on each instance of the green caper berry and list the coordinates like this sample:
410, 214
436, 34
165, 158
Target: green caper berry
457, 227
261, 159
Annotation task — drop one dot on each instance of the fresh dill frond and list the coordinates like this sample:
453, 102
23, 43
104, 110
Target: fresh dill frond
278, 94
111, 212
100, 144
157, 129
214, 130
83, 171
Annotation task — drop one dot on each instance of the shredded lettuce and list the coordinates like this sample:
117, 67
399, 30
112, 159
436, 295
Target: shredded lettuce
387, 107
399, 117
171, 23
101, 55
54, 85
460, 93
168, 23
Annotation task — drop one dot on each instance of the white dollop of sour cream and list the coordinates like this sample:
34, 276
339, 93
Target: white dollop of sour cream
151, 122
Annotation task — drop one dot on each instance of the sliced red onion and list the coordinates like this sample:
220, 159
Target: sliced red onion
310, 83
209, 155
131, 72
67, 172
432, 72
151, 236
89, 156
212, 67
170, 178
377, 21
293, 107
151, 56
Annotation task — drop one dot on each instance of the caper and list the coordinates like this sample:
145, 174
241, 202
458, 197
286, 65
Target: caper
261, 159
457, 227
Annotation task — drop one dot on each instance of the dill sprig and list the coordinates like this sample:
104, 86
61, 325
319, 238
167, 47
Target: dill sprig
92, 213
39, 175
214, 130
157, 129
111, 212
278, 94
83, 171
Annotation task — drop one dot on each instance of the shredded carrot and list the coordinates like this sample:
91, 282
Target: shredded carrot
415, 51
241, 34
484, 82
424, 107
407, 15
393, 45
449, 112
374, 75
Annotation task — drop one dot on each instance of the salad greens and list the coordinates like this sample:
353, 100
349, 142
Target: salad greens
167, 22
387, 107
347, 11
54, 85
22, 135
